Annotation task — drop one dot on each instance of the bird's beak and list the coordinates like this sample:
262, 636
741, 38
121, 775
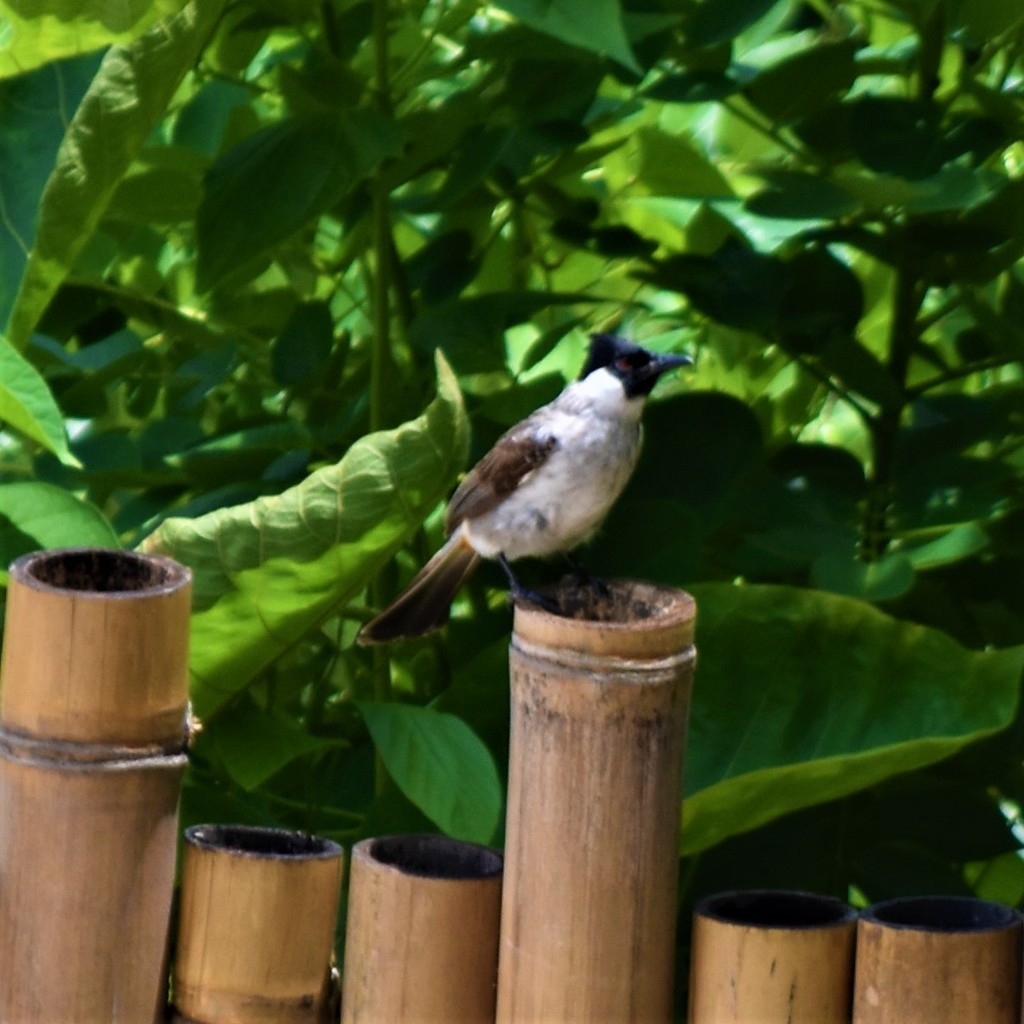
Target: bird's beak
660, 364
669, 362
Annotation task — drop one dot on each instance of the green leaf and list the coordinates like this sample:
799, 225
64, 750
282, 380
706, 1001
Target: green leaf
592, 25
824, 299
671, 165
279, 179
719, 21
30, 37
781, 91
254, 745
797, 196
959, 543
53, 517
33, 115
803, 697
882, 580
268, 572
126, 100
27, 405
302, 348
441, 765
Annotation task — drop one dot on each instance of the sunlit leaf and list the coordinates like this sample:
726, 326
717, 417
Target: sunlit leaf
30, 37
127, 98
45, 516
27, 405
267, 573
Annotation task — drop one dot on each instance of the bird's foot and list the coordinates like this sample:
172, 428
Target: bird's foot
518, 593
585, 578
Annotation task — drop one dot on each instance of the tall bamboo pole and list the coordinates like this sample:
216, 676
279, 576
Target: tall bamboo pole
256, 930
772, 957
92, 734
938, 958
599, 708
422, 932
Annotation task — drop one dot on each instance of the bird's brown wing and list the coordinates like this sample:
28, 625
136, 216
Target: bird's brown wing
515, 455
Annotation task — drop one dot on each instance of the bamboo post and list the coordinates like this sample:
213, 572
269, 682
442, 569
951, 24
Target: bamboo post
92, 734
599, 702
256, 928
422, 932
938, 958
772, 957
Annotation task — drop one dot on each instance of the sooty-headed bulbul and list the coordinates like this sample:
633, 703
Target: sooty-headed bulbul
544, 488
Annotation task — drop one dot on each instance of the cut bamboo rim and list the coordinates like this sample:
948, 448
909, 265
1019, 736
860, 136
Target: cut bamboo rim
89, 831
938, 958
256, 929
422, 932
100, 649
774, 957
599, 704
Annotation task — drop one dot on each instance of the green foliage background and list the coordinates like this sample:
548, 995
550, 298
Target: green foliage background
273, 273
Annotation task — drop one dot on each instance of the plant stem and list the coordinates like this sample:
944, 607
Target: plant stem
381, 319
903, 336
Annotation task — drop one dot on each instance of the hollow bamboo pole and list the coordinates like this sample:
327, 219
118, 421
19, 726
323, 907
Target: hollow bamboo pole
92, 734
422, 932
938, 958
599, 707
772, 957
256, 927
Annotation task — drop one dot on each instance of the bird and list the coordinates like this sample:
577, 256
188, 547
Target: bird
543, 489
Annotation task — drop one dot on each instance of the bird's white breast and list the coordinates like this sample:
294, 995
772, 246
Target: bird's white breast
562, 502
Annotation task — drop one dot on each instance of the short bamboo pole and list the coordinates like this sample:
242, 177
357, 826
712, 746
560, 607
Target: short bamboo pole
599, 708
422, 932
938, 958
772, 957
256, 928
92, 733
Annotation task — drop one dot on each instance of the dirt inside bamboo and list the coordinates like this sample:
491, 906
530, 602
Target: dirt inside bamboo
98, 571
615, 601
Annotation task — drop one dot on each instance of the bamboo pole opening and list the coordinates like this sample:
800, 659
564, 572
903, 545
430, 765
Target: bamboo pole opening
100, 649
775, 957
600, 695
92, 734
933, 958
256, 927
422, 931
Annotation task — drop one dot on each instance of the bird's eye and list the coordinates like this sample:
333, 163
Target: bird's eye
624, 364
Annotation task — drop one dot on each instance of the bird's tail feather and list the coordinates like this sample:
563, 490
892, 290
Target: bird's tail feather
424, 604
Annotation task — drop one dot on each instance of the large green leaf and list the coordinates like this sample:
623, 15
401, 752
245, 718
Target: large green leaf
33, 115
441, 765
27, 405
126, 100
803, 696
268, 572
67, 28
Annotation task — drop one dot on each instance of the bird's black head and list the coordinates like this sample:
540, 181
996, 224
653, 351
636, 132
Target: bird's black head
637, 368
